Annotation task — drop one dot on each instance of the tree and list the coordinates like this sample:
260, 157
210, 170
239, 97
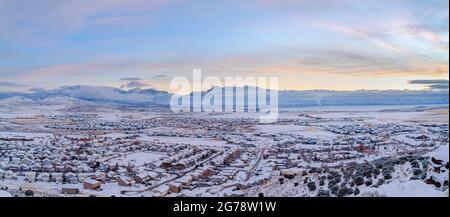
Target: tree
359, 180
29, 193
311, 186
356, 191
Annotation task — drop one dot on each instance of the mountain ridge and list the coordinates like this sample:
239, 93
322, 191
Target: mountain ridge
286, 98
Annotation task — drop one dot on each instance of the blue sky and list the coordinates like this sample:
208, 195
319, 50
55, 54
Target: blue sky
320, 44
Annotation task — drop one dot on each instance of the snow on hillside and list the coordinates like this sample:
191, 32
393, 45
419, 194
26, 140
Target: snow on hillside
16, 100
5, 194
61, 100
413, 188
286, 99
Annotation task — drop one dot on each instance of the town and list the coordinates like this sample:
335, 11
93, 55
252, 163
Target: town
158, 154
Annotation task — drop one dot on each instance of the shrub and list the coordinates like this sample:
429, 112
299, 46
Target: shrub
29, 193
417, 172
423, 175
342, 192
350, 191
414, 178
388, 176
380, 182
335, 189
368, 173
359, 180
323, 193
376, 172
356, 191
311, 186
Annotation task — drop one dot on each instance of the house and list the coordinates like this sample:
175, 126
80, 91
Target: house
161, 191
145, 176
125, 181
10, 175
70, 189
91, 184
217, 179
290, 174
185, 180
71, 178
175, 187
166, 165
235, 193
100, 176
180, 166
59, 168
30, 176
44, 177
206, 172
141, 177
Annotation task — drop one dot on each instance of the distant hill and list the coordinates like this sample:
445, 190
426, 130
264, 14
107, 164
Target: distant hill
156, 98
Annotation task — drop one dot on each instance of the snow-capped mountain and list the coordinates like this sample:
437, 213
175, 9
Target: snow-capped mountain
152, 97
295, 98
16, 100
109, 95
361, 97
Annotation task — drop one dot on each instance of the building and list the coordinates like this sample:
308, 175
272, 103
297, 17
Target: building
91, 184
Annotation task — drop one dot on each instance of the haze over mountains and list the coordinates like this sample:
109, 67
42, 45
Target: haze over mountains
152, 97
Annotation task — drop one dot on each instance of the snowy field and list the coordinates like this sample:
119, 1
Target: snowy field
138, 159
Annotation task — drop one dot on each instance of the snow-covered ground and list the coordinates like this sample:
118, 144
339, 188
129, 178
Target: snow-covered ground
176, 147
414, 188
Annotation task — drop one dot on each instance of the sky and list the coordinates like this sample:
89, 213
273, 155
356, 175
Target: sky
307, 44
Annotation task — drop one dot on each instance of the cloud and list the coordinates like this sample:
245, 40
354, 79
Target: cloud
37, 89
92, 68
338, 61
56, 17
131, 79
435, 81
433, 84
425, 33
438, 86
369, 36
160, 76
135, 84
10, 84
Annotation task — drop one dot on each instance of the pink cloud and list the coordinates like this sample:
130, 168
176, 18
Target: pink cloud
360, 33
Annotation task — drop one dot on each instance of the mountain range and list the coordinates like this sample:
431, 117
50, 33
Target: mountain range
287, 98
